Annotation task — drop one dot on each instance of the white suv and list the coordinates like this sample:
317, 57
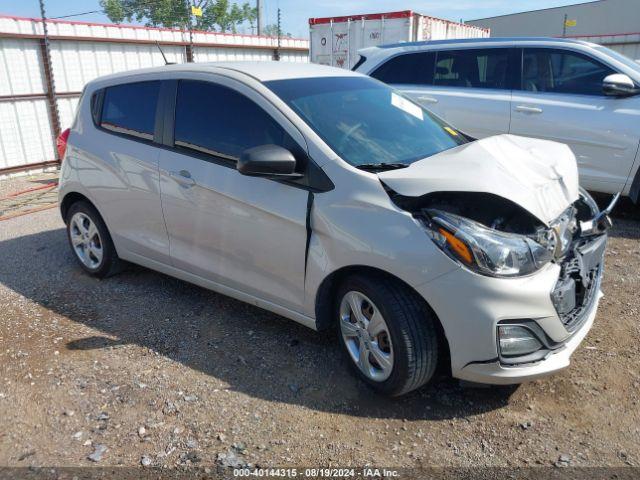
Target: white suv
574, 92
329, 198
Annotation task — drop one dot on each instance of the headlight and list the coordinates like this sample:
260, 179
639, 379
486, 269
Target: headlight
485, 250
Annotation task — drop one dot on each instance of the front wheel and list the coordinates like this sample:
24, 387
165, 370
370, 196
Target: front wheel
387, 333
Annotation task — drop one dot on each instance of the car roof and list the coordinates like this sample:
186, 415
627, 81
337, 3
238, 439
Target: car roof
480, 41
262, 71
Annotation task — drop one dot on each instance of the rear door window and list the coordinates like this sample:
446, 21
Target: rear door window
130, 109
474, 68
219, 121
562, 71
408, 68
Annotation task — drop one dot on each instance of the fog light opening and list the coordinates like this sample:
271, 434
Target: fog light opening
515, 340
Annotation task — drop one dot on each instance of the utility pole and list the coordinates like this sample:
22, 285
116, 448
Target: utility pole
276, 57
190, 46
564, 25
45, 48
260, 19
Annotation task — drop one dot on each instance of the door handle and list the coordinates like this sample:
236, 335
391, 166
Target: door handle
525, 109
183, 177
426, 99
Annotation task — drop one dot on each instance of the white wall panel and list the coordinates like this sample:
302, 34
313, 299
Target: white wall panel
221, 54
20, 70
28, 26
67, 109
25, 133
298, 57
76, 63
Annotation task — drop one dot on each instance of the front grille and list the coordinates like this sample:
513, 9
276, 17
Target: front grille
573, 319
584, 283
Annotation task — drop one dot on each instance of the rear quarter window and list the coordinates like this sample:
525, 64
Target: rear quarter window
360, 61
130, 108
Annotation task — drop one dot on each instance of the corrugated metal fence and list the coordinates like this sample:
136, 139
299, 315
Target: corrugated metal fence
83, 51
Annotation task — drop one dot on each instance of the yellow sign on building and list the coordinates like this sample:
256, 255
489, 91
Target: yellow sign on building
570, 23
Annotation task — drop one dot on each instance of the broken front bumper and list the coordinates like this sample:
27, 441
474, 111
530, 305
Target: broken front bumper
501, 374
470, 324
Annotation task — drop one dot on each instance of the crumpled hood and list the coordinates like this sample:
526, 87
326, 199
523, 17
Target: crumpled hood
539, 175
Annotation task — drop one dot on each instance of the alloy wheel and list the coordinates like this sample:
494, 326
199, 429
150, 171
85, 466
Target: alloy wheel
366, 336
86, 240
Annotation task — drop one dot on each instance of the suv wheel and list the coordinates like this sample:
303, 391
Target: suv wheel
387, 333
90, 240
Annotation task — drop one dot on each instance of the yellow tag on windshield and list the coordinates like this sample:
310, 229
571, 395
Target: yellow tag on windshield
451, 131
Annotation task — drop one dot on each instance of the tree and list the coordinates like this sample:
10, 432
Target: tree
271, 30
251, 14
217, 15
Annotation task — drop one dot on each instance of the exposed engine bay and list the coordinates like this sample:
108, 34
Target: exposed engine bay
491, 210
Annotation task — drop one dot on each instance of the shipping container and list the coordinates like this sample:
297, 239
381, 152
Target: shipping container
336, 40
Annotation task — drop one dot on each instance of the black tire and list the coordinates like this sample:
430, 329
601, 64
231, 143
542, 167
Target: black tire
412, 330
110, 263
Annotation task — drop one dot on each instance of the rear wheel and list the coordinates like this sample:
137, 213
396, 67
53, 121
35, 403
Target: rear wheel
387, 333
90, 240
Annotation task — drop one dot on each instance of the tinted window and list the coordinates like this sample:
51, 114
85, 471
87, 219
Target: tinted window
560, 71
483, 68
410, 68
219, 121
360, 61
131, 108
365, 121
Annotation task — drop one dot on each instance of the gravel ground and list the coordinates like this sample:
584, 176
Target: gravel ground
143, 369
23, 182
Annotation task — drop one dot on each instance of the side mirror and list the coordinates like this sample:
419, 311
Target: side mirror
271, 161
619, 85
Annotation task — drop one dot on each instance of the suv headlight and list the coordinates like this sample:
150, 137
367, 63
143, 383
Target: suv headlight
485, 250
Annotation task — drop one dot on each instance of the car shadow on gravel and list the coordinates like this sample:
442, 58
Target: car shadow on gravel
250, 350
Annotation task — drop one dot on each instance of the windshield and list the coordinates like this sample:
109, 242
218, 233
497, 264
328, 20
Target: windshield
366, 122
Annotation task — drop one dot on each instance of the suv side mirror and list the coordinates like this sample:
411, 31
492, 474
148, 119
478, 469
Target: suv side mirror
619, 85
271, 161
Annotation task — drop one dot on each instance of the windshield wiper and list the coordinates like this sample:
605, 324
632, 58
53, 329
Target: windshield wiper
381, 167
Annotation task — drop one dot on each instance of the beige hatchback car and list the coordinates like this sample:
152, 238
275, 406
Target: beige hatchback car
334, 200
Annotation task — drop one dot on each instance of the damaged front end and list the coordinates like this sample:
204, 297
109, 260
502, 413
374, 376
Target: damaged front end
492, 236
582, 262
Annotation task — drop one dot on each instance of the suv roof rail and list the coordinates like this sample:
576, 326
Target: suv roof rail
484, 40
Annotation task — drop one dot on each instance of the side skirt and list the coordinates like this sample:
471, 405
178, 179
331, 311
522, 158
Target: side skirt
220, 288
